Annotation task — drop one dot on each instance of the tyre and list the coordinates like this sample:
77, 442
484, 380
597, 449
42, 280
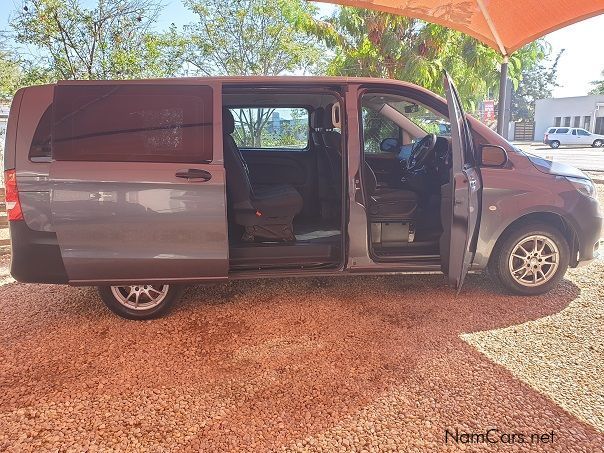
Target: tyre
140, 301
531, 259
554, 144
598, 143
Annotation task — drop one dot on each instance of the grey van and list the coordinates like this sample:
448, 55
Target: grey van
140, 187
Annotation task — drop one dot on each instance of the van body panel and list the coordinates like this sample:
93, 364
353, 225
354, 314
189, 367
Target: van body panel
10, 141
137, 220
518, 190
35, 256
32, 177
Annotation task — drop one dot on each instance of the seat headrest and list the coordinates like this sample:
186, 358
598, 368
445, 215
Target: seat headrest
327, 121
317, 118
228, 121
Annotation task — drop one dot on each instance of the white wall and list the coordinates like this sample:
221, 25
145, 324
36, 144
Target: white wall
547, 109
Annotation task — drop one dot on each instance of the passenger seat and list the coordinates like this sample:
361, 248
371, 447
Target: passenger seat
265, 213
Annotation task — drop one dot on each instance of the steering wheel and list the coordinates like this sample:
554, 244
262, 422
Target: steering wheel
420, 152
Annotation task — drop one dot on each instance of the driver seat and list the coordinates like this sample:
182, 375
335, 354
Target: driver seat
387, 204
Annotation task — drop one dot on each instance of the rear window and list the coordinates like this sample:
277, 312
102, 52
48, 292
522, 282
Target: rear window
132, 123
562, 130
39, 151
271, 128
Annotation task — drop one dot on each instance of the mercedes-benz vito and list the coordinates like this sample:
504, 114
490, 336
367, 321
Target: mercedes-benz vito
139, 187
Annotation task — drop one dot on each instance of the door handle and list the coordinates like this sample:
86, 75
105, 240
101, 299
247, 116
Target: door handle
194, 175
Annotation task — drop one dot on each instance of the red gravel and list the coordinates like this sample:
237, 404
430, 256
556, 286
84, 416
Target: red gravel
372, 363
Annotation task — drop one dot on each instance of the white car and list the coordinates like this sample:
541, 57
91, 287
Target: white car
557, 136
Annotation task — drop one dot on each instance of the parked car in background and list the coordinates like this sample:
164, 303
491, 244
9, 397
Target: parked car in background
558, 136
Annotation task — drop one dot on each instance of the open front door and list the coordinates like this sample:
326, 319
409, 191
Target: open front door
465, 186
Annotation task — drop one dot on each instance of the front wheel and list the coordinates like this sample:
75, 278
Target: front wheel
139, 301
598, 143
531, 259
554, 144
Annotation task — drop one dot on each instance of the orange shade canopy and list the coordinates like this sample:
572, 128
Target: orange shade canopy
505, 25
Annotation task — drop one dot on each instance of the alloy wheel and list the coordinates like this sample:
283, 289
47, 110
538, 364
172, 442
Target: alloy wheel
534, 260
140, 297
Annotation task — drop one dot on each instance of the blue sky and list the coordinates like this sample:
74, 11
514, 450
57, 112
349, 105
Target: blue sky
581, 63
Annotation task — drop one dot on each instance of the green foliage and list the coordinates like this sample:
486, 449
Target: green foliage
598, 86
10, 75
249, 37
376, 44
111, 40
259, 128
537, 82
292, 134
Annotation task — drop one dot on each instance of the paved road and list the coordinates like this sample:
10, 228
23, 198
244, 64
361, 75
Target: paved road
584, 158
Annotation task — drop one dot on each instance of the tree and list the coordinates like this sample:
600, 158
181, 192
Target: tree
111, 40
249, 37
10, 75
598, 86
249, 125
538, 82
377, 44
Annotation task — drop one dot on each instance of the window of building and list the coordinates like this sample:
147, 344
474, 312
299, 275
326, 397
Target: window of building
557, 121
577, 121
271, 128
587, 122
132, 123
567, 121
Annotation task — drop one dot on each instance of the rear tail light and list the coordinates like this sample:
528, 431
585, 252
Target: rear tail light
546, 137
13, 206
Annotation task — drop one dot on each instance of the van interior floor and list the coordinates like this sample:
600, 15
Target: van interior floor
425, 244
317, 245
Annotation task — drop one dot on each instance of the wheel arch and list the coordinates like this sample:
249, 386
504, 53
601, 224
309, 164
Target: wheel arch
549, 218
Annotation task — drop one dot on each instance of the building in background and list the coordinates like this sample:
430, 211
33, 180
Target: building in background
581, 111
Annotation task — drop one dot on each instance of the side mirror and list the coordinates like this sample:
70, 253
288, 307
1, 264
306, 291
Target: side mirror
493, 156
389, 145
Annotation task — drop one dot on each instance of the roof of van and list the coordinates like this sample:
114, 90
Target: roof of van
251, 79
273, 80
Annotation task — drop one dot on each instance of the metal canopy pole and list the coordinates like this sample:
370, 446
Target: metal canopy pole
503, 101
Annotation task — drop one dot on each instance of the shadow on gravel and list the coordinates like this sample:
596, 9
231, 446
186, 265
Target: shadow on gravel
277, 361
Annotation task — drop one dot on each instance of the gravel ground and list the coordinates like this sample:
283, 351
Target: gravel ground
330, 364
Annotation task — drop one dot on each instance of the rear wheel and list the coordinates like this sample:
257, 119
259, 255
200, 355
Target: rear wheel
139, 301
531, 259
598, 143
554, 144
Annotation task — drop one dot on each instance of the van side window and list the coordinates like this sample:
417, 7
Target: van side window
39, 151
132, 123
562, 130
271, 128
